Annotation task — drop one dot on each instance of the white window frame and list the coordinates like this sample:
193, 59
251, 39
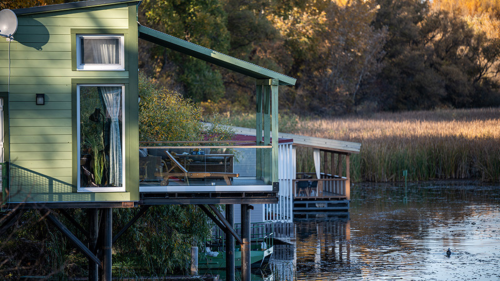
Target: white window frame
100, 189
100, 67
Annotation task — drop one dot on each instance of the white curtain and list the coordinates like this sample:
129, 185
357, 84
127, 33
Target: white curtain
317, 164
105, 51
112, 97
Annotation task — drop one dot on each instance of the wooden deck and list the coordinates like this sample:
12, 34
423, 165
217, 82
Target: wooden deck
328, 194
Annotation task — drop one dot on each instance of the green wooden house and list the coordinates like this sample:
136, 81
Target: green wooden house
69, 130
69, 90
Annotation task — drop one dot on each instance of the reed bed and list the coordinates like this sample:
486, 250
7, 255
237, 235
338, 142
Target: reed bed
442, 144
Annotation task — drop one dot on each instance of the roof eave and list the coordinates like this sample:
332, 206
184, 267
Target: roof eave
70, 6
214, 57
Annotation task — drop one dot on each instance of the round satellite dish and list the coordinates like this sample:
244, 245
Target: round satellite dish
8, 23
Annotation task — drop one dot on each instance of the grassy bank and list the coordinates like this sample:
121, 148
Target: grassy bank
444, 144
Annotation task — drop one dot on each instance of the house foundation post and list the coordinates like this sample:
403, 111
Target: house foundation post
230, 269
93, 234
107, 244
245, 246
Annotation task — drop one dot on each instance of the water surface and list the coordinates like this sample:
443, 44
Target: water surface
387, 239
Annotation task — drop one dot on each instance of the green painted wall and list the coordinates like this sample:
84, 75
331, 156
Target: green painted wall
42, 138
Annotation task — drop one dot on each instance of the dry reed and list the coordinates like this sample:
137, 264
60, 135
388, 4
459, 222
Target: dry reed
442, 144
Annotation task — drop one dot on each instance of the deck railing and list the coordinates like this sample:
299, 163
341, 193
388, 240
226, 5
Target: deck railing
329, 186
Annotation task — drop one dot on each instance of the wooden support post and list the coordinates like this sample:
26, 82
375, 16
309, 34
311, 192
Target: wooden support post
339, 164
258, 131
348, 239
348, 176
93, 216
333, 168
245, 246
107, 244
267, 134
275, 149
230, 263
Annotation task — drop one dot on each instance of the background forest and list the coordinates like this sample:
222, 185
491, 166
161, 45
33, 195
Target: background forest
348, 55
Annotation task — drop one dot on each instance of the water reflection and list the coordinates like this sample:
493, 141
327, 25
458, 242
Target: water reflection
388, 239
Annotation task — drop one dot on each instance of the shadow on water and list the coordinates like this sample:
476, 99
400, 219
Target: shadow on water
386, 238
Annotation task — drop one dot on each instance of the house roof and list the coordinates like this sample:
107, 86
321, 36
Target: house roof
305, 141
70, 6
212, 56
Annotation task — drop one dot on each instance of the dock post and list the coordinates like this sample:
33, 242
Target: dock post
108, 244
230, 268
194, 260
93, 234
245, 247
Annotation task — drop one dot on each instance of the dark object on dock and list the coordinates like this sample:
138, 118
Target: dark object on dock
448, 253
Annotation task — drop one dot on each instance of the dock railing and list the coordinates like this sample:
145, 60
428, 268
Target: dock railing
329, 186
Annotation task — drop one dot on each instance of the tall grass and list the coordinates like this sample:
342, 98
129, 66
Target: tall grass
443, 144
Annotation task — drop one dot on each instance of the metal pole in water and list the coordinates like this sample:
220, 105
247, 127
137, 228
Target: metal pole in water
245, 247
194, 260
405, 174
230, 268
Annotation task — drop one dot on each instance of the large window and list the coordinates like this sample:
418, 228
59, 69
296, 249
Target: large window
100, 52
100, 138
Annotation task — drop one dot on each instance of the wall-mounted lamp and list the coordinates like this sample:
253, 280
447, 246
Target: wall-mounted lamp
40, 99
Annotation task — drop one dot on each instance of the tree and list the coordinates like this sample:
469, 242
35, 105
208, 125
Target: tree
198, 21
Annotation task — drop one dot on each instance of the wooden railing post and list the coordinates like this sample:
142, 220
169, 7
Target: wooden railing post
348, 177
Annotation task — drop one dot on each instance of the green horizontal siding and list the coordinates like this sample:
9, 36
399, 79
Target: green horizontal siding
73, 22
44, 164
48, 139
120, 12
48, 97
42, 72
49, 155
39, 131
48, 89
45, 64
47, 106
39, 114
42, 137
36, 38
40, 123
65, 147
36, 55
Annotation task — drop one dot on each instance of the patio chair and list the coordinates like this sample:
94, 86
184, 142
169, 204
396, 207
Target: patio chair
302, 187
194, 175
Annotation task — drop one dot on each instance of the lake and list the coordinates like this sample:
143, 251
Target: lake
385, 237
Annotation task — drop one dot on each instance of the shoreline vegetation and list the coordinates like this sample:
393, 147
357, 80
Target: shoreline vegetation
432, 145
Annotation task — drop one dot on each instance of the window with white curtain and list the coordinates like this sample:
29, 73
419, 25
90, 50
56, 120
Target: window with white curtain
100, 131
100, 52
